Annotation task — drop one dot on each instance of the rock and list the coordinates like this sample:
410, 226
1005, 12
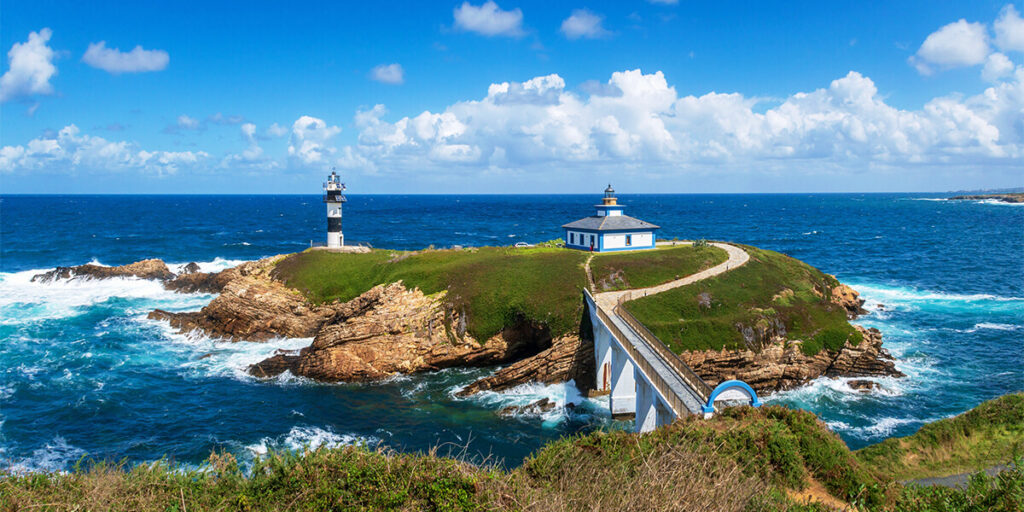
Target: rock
390, 330
145, 269
848, 299
781, 365
569, 358
535, 409
863, 385
251, 306
191, 268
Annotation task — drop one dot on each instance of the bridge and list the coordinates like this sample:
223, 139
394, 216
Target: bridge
641, 375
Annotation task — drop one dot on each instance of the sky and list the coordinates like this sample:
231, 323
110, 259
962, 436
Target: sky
511, 96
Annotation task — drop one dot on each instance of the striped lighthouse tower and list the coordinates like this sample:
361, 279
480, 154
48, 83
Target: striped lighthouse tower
334, 195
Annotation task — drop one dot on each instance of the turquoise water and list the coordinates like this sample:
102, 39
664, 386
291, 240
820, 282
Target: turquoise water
86, 374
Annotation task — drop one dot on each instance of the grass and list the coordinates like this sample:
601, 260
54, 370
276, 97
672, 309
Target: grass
771, 295
494, 286
743, 459
991, 433
622, 271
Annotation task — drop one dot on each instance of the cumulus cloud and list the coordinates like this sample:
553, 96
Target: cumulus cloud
489, 20
115, 61
276, 130
955, 45
583, 23
310, 140
997, 66
30, 67
69, 150
388, 74
1009, 29
539, 123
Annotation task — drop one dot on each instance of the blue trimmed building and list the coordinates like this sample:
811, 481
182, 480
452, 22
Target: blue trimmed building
609, 230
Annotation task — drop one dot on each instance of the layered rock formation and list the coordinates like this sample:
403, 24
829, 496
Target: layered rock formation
569, 358
781, 364
390, 330
145, 269
848, 299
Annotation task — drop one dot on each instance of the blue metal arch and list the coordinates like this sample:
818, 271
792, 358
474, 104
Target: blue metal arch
729, 384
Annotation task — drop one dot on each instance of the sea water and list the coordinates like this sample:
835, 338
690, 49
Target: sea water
85, 375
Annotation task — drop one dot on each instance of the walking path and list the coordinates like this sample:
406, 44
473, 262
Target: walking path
676, 378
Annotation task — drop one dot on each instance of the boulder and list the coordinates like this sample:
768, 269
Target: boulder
848, 299
145, 269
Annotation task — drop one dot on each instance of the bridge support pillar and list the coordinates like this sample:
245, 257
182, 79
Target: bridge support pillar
646, 410
623, 395
603, 357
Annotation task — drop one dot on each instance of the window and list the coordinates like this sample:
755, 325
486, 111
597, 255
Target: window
572, 238
629, 240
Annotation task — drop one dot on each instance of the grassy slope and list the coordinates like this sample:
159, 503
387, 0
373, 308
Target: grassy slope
620, 271
491, 284
991, 433
755, 296
743, 459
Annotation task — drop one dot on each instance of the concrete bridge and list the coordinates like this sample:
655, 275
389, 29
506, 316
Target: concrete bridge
641, 375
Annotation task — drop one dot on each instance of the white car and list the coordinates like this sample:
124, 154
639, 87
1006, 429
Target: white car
521, 244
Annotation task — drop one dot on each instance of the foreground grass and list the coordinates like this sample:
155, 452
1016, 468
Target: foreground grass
743, 459
622, 271
494, 286
991, 433
771, 294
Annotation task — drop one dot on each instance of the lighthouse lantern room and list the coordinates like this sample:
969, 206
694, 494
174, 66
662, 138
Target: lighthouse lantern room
334, 195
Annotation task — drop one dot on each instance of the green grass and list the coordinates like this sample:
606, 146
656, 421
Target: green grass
621, 271
991, 433
494, 286
772, 294
742, 459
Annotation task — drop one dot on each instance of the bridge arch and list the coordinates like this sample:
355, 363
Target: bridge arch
731, 390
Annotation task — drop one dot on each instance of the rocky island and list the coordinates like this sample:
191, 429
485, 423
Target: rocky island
776, 323
1002, 198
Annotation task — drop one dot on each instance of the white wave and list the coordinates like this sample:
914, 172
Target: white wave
1000, 203
299, 438
895, 294
216, 265
55, 456
561, 394
994, 327
885, 426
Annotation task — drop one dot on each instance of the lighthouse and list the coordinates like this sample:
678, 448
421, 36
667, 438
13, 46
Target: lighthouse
609, 229
334, 195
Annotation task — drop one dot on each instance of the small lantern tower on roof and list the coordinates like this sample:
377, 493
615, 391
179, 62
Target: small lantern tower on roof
334, 195
609, 229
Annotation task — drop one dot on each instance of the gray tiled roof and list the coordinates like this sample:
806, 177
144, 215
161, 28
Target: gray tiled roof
609, 223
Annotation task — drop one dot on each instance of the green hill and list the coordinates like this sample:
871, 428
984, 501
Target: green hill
771, 294
764, 459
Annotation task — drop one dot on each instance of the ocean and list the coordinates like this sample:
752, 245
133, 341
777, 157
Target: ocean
85, 375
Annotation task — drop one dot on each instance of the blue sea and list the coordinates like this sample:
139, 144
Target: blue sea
86, 375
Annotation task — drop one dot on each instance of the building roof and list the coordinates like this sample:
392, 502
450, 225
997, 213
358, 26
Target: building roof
609, 223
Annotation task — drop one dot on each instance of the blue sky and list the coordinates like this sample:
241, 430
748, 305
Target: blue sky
532, 97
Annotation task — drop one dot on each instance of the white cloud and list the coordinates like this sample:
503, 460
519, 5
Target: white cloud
583, 23
388, 73
489, 20
30, 67
537, 125
310, 140
1009, 28
115, 61
276, 130
188, 123
222, 119
997, 66
957, 44
664, 2
70, 151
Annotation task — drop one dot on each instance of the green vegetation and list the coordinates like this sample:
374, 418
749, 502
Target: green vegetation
991, 433
772, 294
494, 286
621, 271
765, 459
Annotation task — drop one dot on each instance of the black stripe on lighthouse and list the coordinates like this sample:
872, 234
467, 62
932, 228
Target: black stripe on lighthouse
334, 224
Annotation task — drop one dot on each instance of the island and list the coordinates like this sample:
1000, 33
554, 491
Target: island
1017, 197
774, 322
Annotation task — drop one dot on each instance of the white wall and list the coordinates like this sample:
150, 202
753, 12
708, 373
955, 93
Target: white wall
618, 240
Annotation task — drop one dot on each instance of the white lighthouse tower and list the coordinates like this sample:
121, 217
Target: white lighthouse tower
334, 195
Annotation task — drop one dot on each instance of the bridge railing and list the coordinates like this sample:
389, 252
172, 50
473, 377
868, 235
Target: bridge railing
677, 405
696, 383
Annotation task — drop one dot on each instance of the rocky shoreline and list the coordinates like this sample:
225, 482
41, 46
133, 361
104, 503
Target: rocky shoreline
391, 329
1003, 198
